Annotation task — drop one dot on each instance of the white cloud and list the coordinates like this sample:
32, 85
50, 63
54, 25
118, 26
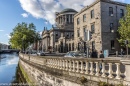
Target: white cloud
119, 0
25, 15
46, 9
8, 35
1, 30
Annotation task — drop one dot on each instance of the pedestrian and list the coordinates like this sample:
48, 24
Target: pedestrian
94, 54
101, 55
122, 52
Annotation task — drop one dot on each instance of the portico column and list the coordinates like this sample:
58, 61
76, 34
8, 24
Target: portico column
65, 19
72, 18
62, 19
69, 18
59, 20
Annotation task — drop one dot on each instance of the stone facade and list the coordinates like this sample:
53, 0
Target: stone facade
60, 38
96, 25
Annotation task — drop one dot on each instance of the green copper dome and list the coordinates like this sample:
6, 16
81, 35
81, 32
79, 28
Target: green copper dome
68, 10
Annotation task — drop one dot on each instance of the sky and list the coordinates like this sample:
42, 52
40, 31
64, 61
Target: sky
39, 12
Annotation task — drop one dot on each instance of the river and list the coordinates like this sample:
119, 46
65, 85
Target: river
8, 65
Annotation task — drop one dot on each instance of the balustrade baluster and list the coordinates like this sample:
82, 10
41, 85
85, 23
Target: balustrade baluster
63, 65
97, 69
66, 64
91, 68
82, 69
87, 68
55, 63
77, 66
49, 62
103, 70
60, 64
110, 70
118, 71
73, 66
70, 65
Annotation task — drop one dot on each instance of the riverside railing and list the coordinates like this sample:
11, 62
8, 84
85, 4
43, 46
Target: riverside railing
112, 70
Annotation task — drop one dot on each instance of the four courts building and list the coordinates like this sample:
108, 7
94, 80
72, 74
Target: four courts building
93, 28
61, 37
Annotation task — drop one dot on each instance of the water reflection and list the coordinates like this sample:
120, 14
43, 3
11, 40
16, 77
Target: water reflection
8, 64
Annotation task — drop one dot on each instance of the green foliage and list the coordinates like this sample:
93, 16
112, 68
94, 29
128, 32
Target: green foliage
22, 35
107, 84
83, 79
124, 29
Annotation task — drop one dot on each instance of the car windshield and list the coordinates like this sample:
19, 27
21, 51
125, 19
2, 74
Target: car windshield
74, 54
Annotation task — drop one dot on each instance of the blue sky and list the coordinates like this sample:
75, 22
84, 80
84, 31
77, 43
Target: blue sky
39, 12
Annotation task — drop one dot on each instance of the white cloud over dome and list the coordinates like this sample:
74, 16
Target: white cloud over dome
46, 9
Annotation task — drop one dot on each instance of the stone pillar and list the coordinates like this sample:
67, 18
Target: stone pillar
65, 19
69, 18
59, 20
72, 18
110, 70
126, 62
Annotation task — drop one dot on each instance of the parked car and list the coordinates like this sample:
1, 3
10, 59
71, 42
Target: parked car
75, 54
40, 53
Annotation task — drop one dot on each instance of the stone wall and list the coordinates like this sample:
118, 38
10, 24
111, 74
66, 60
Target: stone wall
56, 71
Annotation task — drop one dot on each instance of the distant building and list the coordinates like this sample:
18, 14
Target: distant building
96, 25
3, 46
61, 37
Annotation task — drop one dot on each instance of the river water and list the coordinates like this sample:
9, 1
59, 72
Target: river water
8, 65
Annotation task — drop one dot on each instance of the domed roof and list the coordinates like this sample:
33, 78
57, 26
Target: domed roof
68, 10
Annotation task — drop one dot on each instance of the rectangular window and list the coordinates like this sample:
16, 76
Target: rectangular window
78, 33
111, 27
85, 33
121, 13
110, 11
112, 44
56, 34
84, 18
78, 21
93, 28
93, 45
92, 13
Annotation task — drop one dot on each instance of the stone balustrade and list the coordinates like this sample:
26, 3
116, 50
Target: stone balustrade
98, 67
102, 69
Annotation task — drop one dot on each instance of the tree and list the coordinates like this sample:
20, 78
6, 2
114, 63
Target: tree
124, 28
23, 34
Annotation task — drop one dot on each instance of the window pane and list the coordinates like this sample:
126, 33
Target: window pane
84, 17
93, 28
111, 27
85, 33
92, 13
112, 44
78, 21
110, 11
121, 13
78, 33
